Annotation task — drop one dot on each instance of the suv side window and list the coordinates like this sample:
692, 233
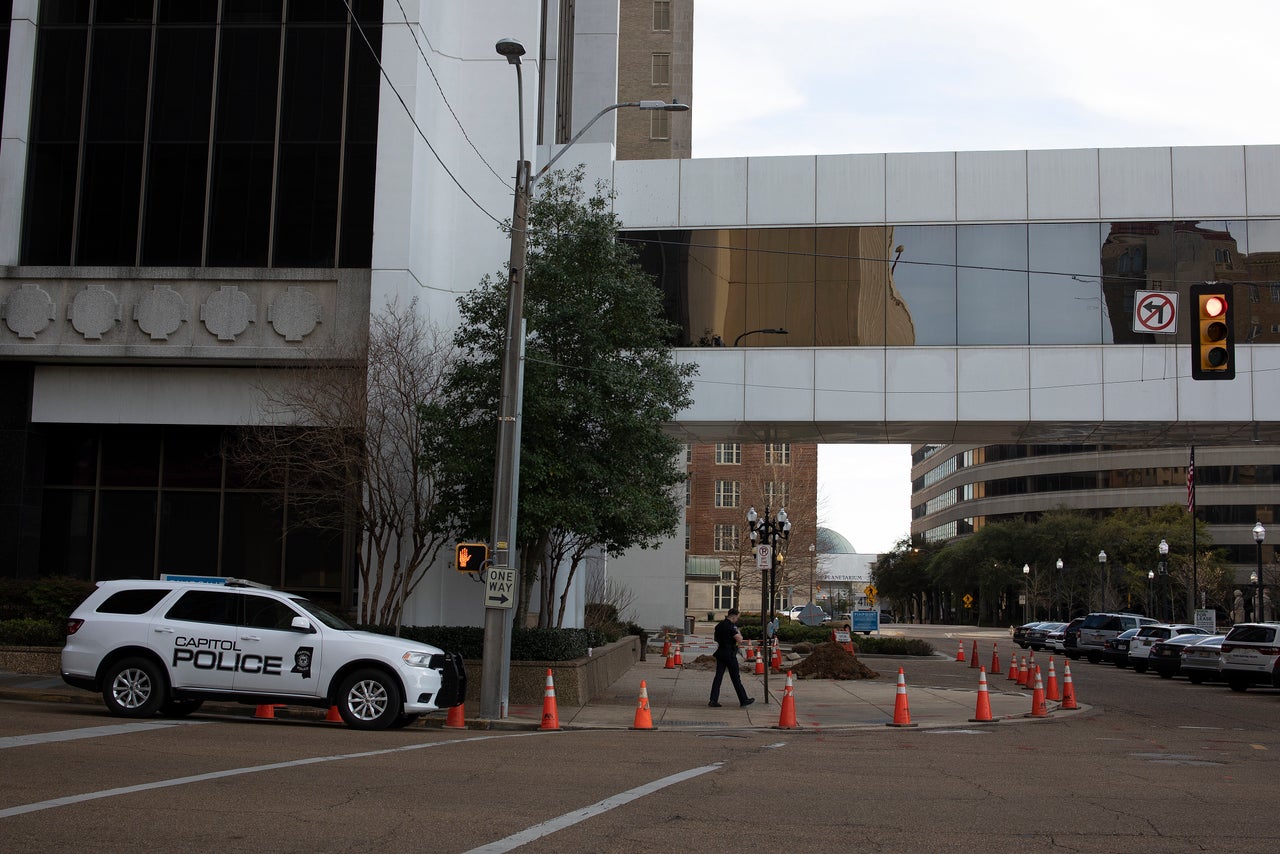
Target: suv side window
206, 606
131, 601
1115, 624
262, 612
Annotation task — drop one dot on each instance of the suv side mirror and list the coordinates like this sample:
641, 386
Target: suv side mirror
302, 624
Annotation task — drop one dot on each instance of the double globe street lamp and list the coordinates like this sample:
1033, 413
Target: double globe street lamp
766, 533
1259, 534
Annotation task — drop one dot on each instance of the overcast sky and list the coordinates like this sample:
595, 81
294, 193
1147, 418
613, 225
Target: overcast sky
851, 76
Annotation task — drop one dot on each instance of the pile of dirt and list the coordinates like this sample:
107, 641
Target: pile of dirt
832, 661
702, 662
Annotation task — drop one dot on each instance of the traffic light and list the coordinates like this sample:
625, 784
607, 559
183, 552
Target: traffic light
470, 557
1213, 343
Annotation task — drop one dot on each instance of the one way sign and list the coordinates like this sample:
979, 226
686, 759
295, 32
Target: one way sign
500, 587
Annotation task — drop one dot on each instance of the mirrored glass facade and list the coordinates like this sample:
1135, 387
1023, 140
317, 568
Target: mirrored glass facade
956, 285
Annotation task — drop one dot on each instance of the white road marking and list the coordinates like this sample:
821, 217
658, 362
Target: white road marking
236, 772
569, 819
89, 732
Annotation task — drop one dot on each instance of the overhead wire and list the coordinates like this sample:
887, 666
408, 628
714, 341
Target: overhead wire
413, 119
445, 97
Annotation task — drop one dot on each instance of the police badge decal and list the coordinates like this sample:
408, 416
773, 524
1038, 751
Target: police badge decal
302, 662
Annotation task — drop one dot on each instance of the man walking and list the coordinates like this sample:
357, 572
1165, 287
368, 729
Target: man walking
726, 655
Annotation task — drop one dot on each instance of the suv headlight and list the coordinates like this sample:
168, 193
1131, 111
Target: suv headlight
417, 659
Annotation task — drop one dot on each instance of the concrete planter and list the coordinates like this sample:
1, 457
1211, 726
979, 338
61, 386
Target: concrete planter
34, 660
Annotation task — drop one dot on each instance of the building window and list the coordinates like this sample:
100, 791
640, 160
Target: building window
728, 493
687, 490
662, 14
662, 69
726, 537
725, 598
777, 454
183, 140
659, 125
728, 454
688, 536
777, 493
688, 453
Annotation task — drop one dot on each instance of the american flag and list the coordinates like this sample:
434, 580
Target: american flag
1191, 483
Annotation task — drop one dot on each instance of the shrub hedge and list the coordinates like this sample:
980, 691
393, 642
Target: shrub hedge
526, 644
25, 631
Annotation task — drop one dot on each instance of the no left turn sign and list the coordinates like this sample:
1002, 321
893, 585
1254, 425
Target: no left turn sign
1155, 311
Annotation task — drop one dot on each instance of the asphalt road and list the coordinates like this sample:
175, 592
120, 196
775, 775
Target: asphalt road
1159, 766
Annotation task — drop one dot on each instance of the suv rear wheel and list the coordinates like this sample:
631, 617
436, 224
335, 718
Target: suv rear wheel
369, 699
133, 688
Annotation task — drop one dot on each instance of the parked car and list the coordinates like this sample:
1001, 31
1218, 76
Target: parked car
1099, 626
1115, 649
1054, 641
1070, 637
1037, 638
1249, 655
1202, 659
1165, 657
164, 647
1020, 633
1149, 636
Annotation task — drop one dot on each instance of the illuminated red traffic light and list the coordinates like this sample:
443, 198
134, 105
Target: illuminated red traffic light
1213, 342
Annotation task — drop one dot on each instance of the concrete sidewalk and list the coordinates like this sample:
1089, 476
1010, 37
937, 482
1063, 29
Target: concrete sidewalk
940, 693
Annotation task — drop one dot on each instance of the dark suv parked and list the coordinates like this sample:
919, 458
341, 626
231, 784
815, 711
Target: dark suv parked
1099, 626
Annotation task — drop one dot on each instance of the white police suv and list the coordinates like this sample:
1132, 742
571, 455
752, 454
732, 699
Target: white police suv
166, 646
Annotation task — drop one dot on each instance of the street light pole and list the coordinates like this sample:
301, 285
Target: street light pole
768, 530
1106, 582
1259, 534
1026, 591
496, 664
1163, 549
1151, 583
1058, 585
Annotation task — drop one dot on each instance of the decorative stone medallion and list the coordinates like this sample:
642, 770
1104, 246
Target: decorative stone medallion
94, 310
28, 311
227, 312
160, 312
295, 313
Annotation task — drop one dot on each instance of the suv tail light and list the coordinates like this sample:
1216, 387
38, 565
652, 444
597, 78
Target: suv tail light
73, 625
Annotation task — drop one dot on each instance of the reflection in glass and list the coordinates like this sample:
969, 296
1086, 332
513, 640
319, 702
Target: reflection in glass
947, 285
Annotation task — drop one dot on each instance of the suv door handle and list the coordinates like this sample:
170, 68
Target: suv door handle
251, 637
164, 629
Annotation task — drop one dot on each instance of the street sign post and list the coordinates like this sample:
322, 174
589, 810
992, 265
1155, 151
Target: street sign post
500, 587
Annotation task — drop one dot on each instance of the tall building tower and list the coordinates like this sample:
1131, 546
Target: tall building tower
655, 62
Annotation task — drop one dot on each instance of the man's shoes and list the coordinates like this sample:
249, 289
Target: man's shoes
748, 702
714, 705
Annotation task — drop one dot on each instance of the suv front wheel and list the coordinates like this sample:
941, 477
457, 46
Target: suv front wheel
369, 699
133, 688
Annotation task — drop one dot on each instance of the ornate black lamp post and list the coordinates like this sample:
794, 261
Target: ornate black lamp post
766, 532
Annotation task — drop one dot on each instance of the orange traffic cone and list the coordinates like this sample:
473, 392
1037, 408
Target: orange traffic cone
751, 652
776, 661
671, 662
1023, 674
1038, 707
1068, 690
960, 652
679, 662
1013, 668
983, 713
787, 720
995, 659
456, 719
643, 719
333, 716
1051, 690
267, 711
666, 647
760, 664
973, 659
550, 717
901, 712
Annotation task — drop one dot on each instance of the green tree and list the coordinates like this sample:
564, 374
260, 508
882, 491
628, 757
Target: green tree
597, 469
